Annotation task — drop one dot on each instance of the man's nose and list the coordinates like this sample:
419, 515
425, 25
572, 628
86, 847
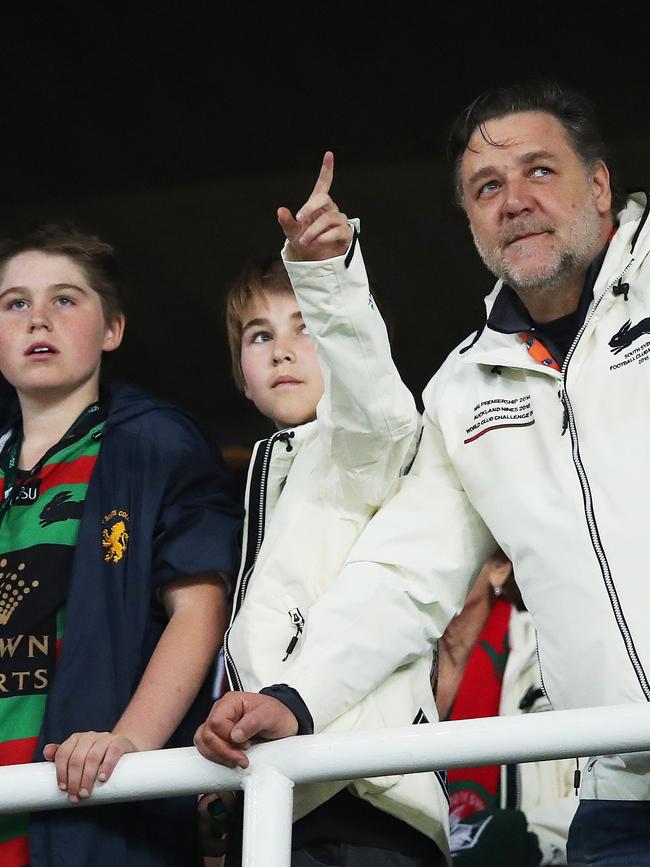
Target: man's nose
517, 198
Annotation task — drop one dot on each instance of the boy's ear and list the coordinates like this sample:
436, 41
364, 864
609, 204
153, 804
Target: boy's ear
114, 333
244, 386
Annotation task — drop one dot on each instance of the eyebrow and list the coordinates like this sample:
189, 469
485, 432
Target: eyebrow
263, 321
524, 160
57, 287
252, 323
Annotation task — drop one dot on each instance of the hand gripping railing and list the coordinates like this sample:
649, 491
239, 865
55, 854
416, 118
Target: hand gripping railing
275, 767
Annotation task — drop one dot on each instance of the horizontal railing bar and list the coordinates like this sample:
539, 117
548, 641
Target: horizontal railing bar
351, 755
137, 777
462, 744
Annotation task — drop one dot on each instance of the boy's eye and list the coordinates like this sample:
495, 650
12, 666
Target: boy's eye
304, 329
17, 304
261, 337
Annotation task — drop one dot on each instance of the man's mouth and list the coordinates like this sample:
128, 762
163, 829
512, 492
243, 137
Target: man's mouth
521, 236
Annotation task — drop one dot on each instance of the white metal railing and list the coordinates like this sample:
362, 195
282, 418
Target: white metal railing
275, 767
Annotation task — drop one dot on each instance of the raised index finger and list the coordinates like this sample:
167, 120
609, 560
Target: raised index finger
326, 175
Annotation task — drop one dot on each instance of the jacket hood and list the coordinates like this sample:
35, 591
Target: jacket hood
124, 402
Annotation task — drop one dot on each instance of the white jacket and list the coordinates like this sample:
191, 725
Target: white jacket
310, 493
553, 467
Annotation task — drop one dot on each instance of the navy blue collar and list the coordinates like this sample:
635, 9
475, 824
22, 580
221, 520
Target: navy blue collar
509, 314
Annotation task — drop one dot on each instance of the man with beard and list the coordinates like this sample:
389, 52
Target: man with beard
534, 439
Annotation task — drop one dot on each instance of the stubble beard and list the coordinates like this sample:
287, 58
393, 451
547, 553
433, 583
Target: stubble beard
572, 256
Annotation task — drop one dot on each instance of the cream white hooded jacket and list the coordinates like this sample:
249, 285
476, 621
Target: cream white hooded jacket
554, 467
311, 491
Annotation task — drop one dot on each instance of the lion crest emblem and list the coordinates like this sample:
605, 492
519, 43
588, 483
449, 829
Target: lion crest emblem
115, 537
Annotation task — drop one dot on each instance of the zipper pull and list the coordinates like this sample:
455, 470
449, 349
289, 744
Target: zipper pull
298, 621
565, 415
286, 438
621, 289
576, 778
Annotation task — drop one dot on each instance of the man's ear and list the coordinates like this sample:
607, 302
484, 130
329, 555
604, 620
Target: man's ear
114, 333
602, 187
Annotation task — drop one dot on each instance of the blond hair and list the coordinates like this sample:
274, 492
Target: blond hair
257, 278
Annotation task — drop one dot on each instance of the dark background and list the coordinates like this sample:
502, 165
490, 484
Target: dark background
176, 132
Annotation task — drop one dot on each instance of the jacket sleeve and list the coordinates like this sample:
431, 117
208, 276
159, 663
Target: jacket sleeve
199, 519
406, 577
367, 417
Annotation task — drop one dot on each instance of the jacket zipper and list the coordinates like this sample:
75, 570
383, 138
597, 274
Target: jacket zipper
511, 798
231, 668
539, 668
298, 622
592, 524
260, 523
518, 787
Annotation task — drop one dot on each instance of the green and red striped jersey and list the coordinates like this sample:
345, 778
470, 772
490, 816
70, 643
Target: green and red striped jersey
40, 517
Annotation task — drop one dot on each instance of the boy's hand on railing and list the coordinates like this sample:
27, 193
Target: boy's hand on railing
84, 758
319, 230
238, 720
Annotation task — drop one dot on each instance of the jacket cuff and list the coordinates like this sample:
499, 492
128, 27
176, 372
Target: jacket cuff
291, 699
309, 264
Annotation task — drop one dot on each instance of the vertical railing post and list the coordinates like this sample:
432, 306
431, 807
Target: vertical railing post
268, 816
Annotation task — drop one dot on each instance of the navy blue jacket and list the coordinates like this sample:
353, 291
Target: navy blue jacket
172, 490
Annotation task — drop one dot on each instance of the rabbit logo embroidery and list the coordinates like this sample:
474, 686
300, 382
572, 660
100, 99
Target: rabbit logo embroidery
627, 335
115, 537
60, 508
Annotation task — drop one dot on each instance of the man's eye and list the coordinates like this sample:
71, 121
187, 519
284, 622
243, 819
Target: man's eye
490, 187
541, 171
64, 301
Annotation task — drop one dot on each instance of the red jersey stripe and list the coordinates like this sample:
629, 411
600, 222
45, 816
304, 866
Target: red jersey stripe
15, 853
76, 472
17, 752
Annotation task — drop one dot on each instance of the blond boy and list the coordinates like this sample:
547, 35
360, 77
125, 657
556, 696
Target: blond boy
317, 362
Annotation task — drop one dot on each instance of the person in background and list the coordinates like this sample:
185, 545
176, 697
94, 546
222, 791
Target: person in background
487, 666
